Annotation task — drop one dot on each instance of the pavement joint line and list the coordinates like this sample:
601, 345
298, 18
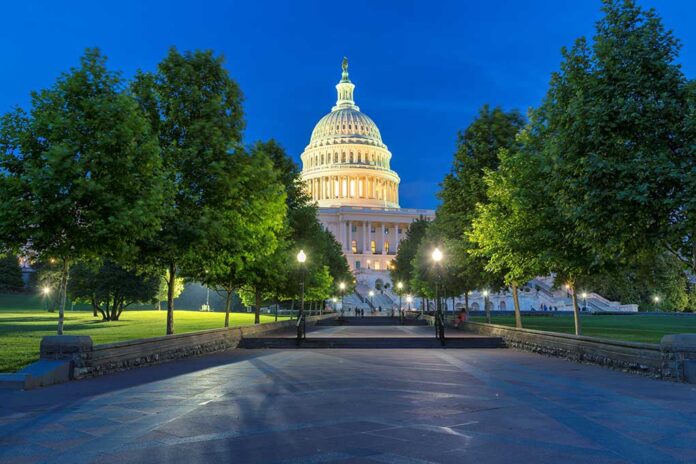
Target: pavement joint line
613, 441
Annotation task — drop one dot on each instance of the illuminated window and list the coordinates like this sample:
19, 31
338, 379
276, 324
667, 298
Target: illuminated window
377, 265
373, 246
354, 246
386, 246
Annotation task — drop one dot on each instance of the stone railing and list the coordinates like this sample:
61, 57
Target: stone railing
674, 358
88, 360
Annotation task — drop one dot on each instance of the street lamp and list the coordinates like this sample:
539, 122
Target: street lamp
485, 306
409, 300
439, 326
584, 301
335, 300
46, 290
342, 287
400, 287
656, 299
567, 287
301, 258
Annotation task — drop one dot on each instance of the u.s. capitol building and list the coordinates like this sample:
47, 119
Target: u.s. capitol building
346, 170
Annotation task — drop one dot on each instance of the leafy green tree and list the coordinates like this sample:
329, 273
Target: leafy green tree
110, 288
681, 241
10, 274
254, 238
279, 275
402, 269
512, 228
195, 108
80, 172
614, 116
464, 188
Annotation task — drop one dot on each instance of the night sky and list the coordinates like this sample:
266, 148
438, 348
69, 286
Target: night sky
421, 69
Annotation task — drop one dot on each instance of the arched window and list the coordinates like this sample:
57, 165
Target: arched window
373, 246
354, 246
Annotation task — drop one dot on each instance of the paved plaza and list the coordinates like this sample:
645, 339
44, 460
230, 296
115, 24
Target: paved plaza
400, 406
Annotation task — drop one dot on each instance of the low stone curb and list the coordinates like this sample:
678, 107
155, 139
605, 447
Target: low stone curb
674, 358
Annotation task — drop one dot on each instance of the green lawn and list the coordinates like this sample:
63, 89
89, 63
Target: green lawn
636, 327
21, 330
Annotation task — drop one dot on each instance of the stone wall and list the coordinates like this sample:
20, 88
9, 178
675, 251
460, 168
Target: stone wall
672, 359
89, 360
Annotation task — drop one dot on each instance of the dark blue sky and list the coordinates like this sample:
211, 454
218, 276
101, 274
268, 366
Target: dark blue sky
422, 69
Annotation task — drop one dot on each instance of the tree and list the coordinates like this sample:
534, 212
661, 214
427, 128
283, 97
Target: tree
278, 276
80, 172
10, 274
681, 241
195, 108
254, 238
512, 228
614, 116
110, 288
402, 269
611, 125
463, 189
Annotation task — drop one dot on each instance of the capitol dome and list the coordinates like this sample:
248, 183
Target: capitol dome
346, 162
346, 125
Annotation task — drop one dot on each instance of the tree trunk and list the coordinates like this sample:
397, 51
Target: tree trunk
576, 312
228, 303
516, 304
276, 311
257, 307
466, 302
63, 294
171, 282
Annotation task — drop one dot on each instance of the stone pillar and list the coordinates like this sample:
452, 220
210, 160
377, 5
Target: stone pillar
364, 238
383, 251
350, 236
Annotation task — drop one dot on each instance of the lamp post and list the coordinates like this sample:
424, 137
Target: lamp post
409, 300
301, 258
342, 287
567, 287
439, 321
371, 294
46, 291
400, 287
584, 301
335, 303
656, 299
485, 306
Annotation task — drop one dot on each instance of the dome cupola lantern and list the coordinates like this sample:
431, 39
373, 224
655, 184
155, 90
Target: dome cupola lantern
345, 90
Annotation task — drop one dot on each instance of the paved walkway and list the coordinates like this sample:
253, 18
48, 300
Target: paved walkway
406, 406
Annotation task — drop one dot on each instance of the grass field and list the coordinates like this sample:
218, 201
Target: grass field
21, 330
636, 327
